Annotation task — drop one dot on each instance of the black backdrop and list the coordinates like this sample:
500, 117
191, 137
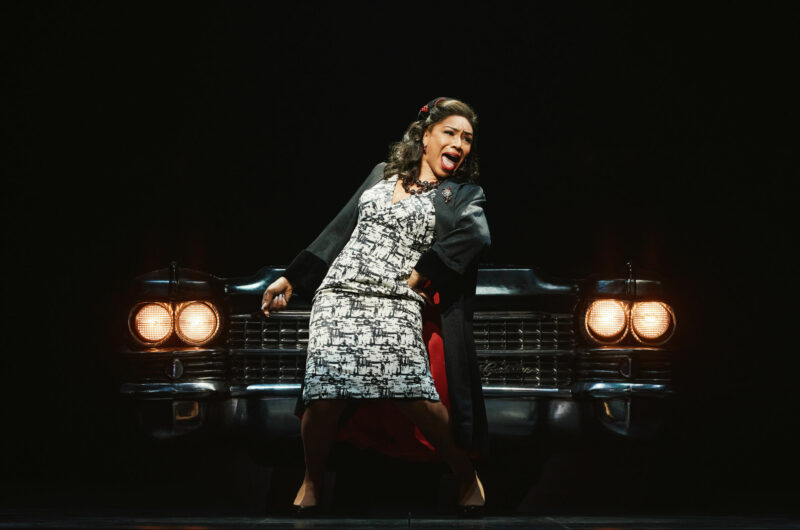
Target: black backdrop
225, 137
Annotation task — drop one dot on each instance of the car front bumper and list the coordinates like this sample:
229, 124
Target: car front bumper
171, 410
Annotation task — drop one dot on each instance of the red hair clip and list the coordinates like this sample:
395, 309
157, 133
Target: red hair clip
423, 112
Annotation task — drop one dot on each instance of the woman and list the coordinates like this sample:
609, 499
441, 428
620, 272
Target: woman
416, 221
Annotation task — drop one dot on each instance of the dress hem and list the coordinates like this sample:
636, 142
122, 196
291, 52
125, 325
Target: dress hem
358, 399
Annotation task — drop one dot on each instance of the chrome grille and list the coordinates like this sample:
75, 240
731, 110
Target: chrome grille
523, 331
518, 370
528, 370
284, 330
492, 331
514, 348
252, 368
154, 366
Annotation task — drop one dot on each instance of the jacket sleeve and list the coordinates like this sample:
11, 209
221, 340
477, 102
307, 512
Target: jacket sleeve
309, 267
454, 255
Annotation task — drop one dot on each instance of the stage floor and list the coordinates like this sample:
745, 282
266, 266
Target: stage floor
32, 520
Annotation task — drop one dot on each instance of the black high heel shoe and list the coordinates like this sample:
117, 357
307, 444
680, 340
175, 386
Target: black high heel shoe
306, 511
472, 511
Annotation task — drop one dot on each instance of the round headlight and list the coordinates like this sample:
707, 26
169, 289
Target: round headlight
650, 320
607, 320
197, 322
153, 323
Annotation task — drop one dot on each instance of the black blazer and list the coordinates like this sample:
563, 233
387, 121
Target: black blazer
461, 235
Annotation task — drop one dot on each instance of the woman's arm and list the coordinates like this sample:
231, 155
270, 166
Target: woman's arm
309, 267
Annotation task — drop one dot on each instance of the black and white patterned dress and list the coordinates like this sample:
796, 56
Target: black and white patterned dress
365, 332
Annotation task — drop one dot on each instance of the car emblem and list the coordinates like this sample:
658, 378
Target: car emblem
174, 369
447, 194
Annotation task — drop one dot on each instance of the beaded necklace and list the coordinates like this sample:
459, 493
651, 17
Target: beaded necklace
424, 184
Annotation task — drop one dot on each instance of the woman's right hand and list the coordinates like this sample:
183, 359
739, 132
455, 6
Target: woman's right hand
276, 296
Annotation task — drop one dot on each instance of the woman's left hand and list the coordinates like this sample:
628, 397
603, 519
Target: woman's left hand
417, 283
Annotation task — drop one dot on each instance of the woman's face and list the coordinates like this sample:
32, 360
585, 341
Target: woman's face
447, 143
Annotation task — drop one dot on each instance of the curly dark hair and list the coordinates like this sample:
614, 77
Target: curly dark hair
405, 156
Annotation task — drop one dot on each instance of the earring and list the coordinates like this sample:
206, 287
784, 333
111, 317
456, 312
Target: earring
424, 149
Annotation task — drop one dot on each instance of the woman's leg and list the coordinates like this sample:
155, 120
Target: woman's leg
318, 429
433, 420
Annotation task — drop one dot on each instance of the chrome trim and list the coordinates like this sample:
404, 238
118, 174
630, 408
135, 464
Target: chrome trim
523, 391
197, 389
504, 315
282, 313
479, 315
237, 352
205, 389
607, 390
292, 389
488, 354
175, 350
266, 389
623, 350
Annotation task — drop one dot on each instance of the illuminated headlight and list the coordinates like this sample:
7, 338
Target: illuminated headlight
196, 322
152, 323
607, 320
651, 321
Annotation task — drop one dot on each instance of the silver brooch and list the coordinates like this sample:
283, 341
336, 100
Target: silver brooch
447, 194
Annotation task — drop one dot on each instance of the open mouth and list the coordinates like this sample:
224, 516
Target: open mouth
450, 161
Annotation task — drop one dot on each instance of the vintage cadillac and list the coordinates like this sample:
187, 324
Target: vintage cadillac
568, 357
